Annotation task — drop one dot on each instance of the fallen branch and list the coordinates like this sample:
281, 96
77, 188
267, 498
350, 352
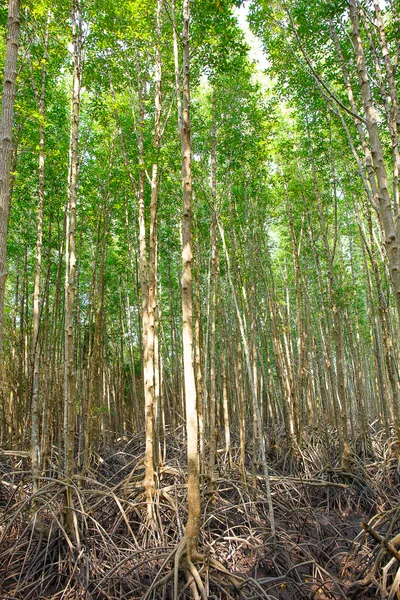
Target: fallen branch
390, 549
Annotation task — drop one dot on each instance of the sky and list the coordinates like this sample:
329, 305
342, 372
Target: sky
256, 51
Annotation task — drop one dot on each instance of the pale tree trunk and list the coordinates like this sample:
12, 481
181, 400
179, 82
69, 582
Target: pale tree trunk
147, 362
386, 217
341, 391
158, 377
289, 361
149, 371
369, 181
241, 411
158, 396
141, 220
95, 360
176, 66
205, 388
224, 362
192, 530
135, 278
199, 354
237, 352
374, 191
328, 375
176, 381
389, 68
40, 101
382, 392
70, 379
212, 438
387, 90
178, 398
252, 388
252, 311
136, 270
7, 115
276, 326
384, 318
301, 329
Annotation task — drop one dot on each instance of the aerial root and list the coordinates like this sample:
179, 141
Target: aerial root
188, 566
321, 547
197, 579
379, 573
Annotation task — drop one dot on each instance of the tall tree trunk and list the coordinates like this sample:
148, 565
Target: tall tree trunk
252, 387
40, 101
390, 228
212, 435
70, 379
7, 115
192, 530
95, 356
149, 367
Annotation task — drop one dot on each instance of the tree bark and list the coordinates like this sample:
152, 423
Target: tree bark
40, 101
6, 125
70, 377
390, 228
192, 530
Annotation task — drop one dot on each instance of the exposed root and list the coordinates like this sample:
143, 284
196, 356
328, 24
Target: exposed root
188, 565
321, 550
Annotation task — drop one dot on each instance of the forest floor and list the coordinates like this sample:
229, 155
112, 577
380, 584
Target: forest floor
321, 550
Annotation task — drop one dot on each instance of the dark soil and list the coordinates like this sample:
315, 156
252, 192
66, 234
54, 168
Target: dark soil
320, 549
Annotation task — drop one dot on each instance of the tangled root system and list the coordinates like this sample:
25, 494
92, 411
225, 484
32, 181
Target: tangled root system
337, 532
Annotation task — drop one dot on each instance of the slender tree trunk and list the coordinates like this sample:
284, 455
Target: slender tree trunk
192, 530
95, 356
176, 66
341, 390
241, 411
389, 227
212, 435
40, 100
150, 397
199, 354
70, 378
7, 115
252, 388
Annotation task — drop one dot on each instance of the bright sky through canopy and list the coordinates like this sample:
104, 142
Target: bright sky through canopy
256, 51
